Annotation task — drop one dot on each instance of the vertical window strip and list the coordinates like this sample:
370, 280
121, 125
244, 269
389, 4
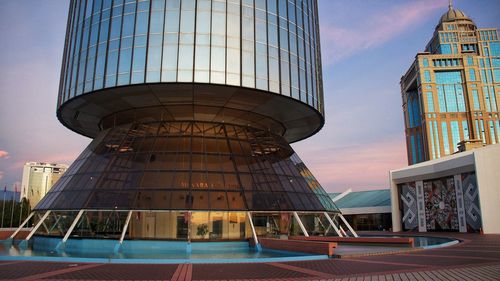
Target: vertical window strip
476, 129
446, 141
498, 129
475, 98
487, 98
455, 134
483, 135
420, 149
431, 134
436, 139
492, 132
441, 99
410, 112
472, 75
427, 76
465, 128
430, 102
413, 150
493, 99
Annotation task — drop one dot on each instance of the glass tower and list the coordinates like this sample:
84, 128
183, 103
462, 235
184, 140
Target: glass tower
191, 105
451, 92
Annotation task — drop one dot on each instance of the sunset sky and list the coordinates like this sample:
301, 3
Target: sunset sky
367, 45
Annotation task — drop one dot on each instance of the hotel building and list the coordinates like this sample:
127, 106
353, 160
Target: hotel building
451, 96
38, 179
451, 92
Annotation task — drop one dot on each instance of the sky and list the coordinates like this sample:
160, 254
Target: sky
367, 45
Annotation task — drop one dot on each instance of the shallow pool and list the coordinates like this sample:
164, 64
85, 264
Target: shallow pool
149, 251
133, 251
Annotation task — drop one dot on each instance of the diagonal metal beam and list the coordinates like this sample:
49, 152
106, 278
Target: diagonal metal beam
22, 225
255, 239
125, 227
304, 230
40, 222
348, 225
332, 224
75, 221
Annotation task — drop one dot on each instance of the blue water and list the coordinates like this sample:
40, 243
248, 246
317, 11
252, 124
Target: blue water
95, 250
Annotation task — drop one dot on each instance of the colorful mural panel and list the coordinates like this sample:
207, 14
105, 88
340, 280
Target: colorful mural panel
441, 205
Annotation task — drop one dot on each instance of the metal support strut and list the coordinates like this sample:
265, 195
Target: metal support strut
125, 227
40, 222
73, 225
254, 234
348, 225
300, 224
332, 224
22, 225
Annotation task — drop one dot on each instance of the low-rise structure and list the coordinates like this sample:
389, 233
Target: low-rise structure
460, 192
365, 210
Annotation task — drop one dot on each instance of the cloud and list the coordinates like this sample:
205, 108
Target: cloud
359, 166
374, 30
1, 175
4, 154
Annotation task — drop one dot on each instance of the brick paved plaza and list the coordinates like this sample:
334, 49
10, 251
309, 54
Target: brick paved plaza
476, 258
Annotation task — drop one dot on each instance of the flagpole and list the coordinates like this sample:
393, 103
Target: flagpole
3, 207
13, 205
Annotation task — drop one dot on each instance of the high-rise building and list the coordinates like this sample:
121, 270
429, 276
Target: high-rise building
451, 92
191, 106
38, 179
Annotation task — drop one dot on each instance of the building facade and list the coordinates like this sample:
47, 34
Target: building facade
38, 179
192, 106
451, 92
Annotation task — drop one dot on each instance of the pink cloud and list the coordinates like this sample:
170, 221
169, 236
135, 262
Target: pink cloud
363, 166
375, 30
1, 175
4, 154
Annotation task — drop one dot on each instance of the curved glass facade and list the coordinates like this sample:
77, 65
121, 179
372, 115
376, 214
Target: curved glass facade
269, 45
188, 166
192, 105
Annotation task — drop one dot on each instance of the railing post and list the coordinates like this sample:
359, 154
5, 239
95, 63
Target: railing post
300, 224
